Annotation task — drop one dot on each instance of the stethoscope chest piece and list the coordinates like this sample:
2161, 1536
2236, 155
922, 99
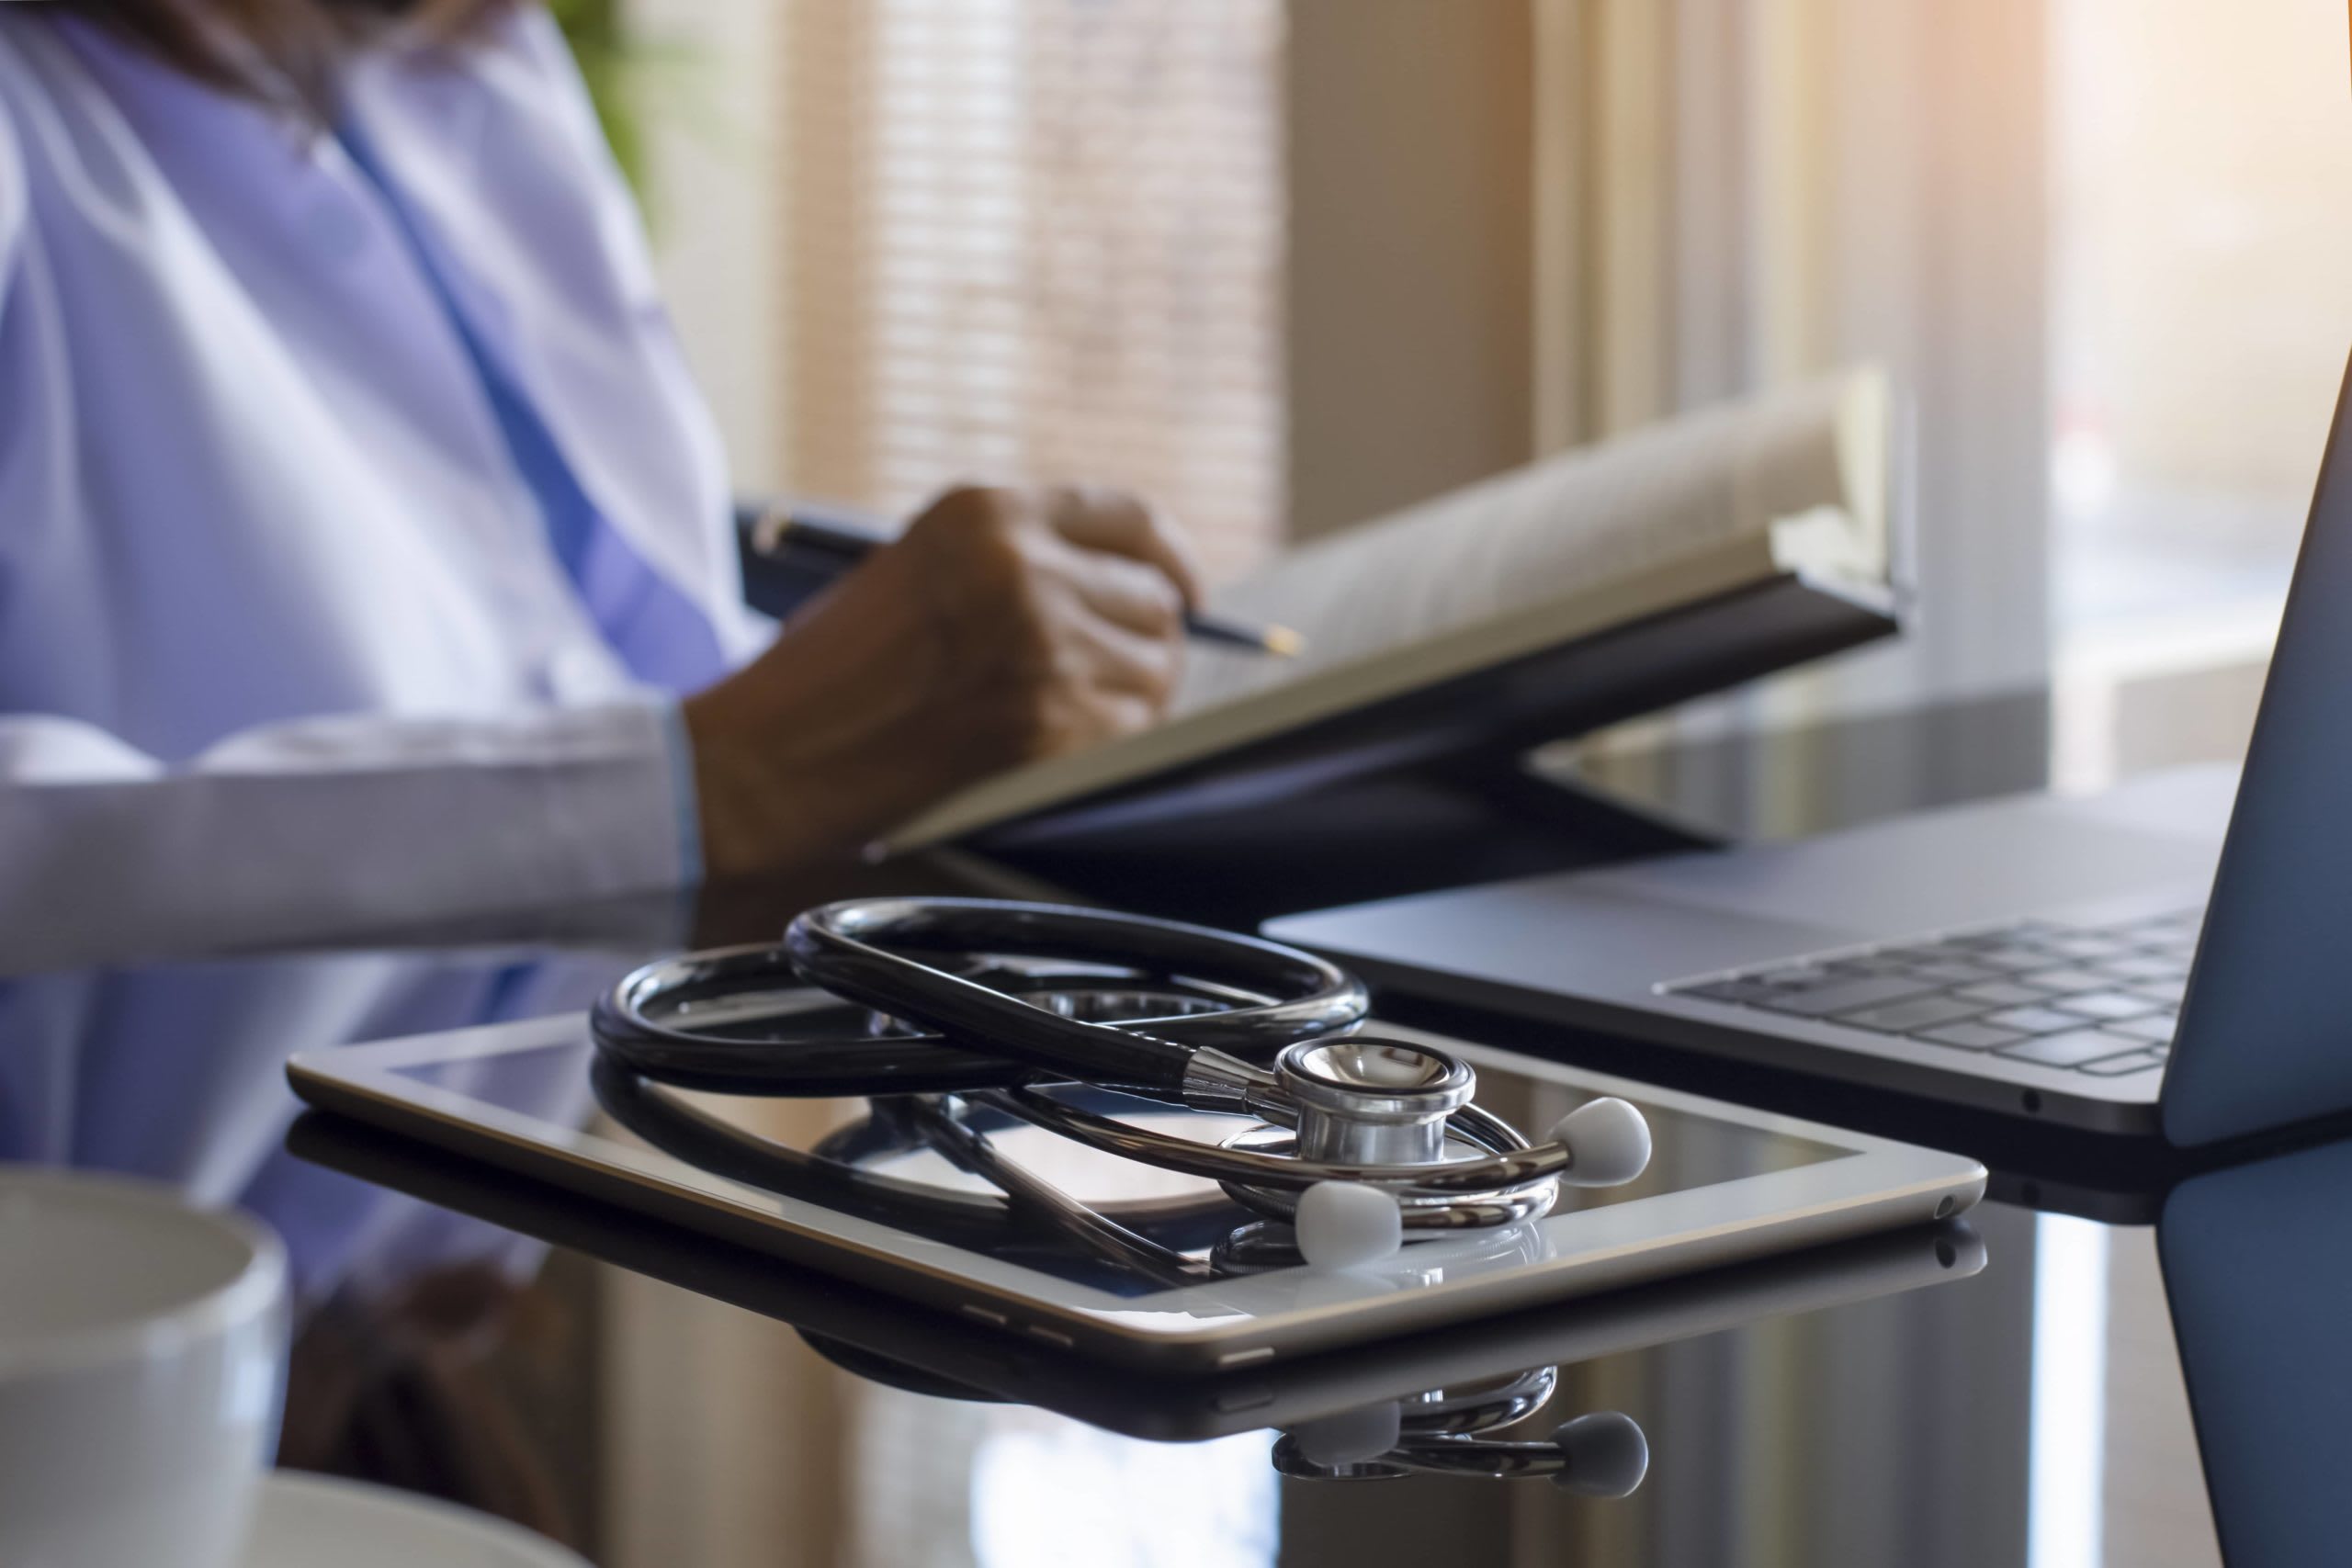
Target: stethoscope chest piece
1373, 1102
1399, 1108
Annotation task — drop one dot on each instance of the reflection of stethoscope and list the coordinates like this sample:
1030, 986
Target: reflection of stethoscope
994, 1004
1441, 1431
1444, 1432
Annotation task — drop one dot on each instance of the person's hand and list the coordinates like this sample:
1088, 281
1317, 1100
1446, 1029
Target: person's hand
1005, 625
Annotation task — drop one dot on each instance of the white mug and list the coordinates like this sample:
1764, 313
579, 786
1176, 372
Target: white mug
142, 1345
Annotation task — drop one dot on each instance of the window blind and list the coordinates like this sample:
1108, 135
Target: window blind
1032, 239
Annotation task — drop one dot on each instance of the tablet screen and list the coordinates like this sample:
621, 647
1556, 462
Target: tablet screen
874, 1161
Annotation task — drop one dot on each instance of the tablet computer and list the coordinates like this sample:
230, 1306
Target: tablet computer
821, 1184
894, 1341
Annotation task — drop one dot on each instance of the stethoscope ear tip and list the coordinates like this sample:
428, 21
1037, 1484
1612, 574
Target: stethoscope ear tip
1352, 1437
1346, 1225
1604, 1454
1608, 1141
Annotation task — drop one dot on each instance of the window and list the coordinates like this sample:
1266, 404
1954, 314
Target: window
1038, 239
2201, 235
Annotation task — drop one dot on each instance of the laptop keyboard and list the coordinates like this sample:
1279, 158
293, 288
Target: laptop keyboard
2097, 1000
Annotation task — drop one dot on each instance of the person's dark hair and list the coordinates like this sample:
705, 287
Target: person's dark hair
283, 52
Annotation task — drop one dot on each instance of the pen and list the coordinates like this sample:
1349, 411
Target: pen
826, 544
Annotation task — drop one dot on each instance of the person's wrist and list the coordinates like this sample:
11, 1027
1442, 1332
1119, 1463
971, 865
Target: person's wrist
725, 800
793, 768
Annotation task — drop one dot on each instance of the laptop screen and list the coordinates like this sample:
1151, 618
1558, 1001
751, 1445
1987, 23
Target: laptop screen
2263, 1038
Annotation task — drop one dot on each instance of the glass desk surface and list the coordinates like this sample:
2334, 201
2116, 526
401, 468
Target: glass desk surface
2025, 1401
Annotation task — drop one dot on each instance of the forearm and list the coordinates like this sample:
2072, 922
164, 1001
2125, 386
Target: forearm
308, 830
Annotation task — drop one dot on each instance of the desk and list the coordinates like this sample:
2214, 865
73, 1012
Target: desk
2033, 1412
658, 1417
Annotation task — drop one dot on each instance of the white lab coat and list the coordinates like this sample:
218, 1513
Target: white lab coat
284, 646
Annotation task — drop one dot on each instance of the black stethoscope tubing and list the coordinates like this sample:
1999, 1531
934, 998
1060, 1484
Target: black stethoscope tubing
833, 1175
821, 1064
886, 955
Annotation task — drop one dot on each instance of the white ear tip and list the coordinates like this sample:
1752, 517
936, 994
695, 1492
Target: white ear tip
1344, 1223
1606, 1453
1609, 1140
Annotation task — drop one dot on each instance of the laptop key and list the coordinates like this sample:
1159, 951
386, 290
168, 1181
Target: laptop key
2033, 1020
1953, 972
2068, 980
2156, 1028
2010, 958
1843, 995
2002, 994
2105, 1005
1972, 1036
2116, 1066
1903, 1016
2144, 967
2069, 1050
2167, 993
2085, 948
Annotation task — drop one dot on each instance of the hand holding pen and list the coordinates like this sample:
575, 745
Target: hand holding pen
1004, 626
819, 544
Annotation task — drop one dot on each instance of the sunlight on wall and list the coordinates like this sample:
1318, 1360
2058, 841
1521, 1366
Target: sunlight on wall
2201, 233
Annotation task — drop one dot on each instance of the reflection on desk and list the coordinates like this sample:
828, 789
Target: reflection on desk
2257, 1262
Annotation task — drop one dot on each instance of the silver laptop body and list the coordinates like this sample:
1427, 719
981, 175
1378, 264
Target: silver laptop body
2163, 957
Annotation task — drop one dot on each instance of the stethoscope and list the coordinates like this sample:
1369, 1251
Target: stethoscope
1354, 1142
1447, 1431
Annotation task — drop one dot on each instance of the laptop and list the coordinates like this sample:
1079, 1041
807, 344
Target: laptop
2159, 960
